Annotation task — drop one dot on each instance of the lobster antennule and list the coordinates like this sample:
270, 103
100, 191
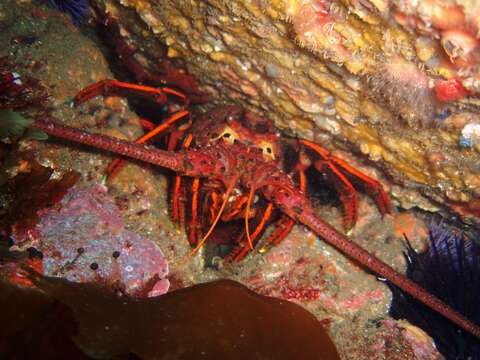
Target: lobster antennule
149, 154
298, 208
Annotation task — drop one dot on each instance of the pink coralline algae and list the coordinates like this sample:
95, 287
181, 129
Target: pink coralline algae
84, 240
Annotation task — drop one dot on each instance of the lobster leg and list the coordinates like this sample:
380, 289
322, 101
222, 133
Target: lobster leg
110, 87
247, 218
171, 120
117, 164
372, 187
343, 171
192, 234
172, 142
178, 196
348, 194
282, 228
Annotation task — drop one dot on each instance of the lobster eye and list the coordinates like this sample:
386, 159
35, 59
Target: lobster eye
228, 135
267, 150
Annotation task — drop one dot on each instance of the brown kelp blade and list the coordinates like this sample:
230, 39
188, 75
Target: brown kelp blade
217, 320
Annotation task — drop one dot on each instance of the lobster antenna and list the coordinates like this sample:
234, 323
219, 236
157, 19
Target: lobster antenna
247, 211
228, 192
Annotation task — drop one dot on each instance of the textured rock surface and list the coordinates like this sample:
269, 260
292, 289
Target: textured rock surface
85, 240
354, 75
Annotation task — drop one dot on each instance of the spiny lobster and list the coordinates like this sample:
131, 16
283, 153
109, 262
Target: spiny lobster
232, 125
228, 155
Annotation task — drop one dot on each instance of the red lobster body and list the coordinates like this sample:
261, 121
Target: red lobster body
232, 196
200, 204
253, 156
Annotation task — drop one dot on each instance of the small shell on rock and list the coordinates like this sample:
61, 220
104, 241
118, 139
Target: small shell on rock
470, 135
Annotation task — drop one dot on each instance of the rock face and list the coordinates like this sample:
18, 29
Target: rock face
391, 81
85, 240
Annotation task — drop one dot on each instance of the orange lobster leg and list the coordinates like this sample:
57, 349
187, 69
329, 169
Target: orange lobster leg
343, 172
192, 236
178, 206
110, 87
117, 164
261, 226
302, 181
348, 194
373, 188
173, 119
171, 145
283, 226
